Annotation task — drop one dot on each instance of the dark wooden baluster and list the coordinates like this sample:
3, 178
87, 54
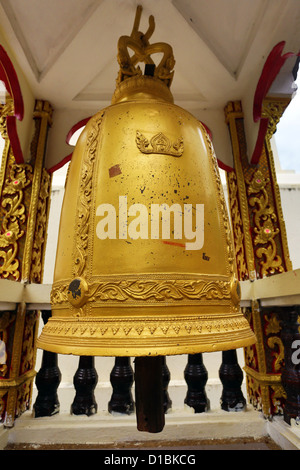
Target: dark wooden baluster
196, 376
47, 381
290, 377
166, 380
85, 381
149, 400
231, 376
121, 378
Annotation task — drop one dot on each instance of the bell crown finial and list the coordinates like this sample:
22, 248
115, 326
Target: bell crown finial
138, 42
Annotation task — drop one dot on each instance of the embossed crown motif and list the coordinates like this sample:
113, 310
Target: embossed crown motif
159, 143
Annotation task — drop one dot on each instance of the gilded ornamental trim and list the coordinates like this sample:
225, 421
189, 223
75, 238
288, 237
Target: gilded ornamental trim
32, 264
233, 114
264, 225
77, 292
273, 108
237, 226
20, 176
159, 327
231, 266
85, 194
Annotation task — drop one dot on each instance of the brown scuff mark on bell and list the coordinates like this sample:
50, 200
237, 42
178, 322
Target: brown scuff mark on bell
115, 171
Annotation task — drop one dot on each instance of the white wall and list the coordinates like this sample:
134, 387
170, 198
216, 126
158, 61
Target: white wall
290, 201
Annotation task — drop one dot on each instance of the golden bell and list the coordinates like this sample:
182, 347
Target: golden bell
145, 262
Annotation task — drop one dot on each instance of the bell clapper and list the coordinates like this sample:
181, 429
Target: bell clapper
149, 397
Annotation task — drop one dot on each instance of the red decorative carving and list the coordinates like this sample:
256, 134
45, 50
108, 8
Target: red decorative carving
9, 77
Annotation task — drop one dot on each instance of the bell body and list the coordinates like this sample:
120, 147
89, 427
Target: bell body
145, 262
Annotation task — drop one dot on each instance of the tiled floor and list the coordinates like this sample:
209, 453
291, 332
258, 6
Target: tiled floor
232, 444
